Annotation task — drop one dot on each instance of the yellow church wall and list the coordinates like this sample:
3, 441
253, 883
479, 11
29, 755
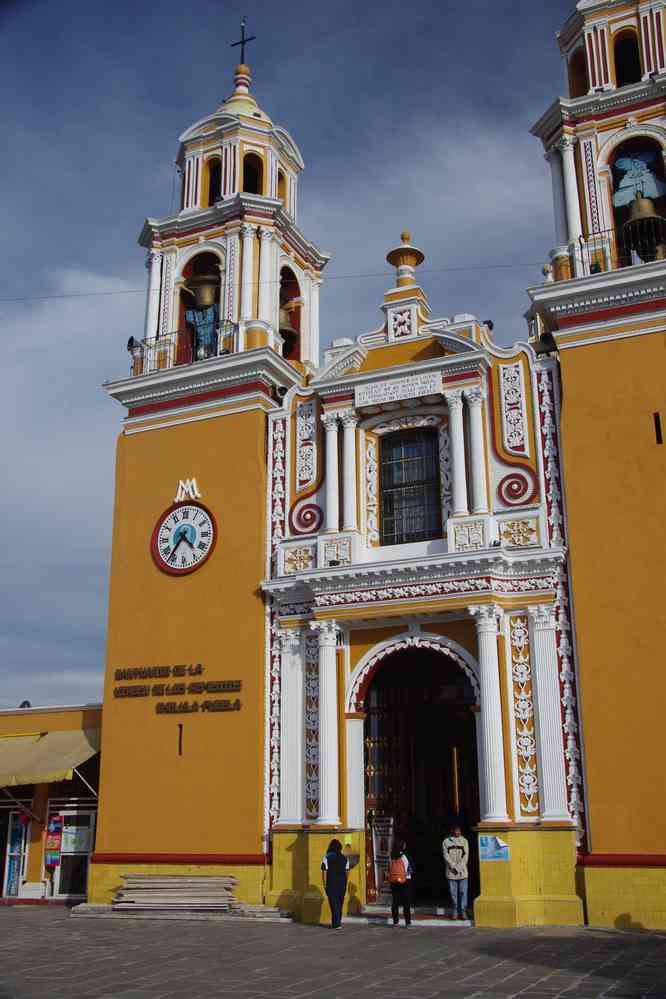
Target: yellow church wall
402, 353
614, 480
296, 884
625, 898
209, 800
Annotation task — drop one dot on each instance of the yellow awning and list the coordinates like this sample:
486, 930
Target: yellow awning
42, 759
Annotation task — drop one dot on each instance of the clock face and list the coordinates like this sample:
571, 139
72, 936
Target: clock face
183, 538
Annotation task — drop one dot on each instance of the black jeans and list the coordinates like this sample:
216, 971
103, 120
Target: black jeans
400, 897
336, 897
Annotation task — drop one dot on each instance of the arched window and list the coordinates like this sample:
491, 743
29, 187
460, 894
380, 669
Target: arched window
214, 180
627, 59
411, 506
290, 315
638, 168
253, 174
579, 83
199, 309
282, 189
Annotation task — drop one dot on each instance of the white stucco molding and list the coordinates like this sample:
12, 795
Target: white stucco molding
414, 639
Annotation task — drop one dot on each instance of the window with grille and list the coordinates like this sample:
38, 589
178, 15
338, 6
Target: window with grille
411, 508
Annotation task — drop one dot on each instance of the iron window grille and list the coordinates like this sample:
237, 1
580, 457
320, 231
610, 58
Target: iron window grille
411, 506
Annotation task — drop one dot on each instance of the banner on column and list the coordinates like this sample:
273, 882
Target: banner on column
382, 840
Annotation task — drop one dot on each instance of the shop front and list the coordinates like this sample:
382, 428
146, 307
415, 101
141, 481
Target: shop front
49, 780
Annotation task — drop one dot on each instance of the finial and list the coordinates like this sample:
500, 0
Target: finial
405, 258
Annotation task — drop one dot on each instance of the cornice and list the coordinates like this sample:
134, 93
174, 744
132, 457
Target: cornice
609, 289
574, 110
474, 574
475, 361
203, 376
222, 122
234, 209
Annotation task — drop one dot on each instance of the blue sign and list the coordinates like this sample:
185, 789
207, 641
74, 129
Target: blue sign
493, 848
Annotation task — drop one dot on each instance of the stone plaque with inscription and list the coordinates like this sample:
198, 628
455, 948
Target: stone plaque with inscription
410, 387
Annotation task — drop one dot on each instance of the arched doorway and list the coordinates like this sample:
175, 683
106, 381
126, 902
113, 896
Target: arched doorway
421, 769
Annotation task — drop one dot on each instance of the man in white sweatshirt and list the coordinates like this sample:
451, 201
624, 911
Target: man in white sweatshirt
455, 849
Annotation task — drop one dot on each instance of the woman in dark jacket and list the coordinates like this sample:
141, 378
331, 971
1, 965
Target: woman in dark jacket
334, 872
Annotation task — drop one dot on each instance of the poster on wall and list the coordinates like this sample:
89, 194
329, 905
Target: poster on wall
53, 843
493, 848
382, 838
76, 838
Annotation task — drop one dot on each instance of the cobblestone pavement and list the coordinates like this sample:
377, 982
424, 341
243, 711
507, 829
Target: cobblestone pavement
47, 953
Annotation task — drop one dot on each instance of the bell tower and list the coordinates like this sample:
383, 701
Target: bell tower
231, 326
231, 269
605, 140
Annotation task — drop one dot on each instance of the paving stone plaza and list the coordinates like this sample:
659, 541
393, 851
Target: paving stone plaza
48, 953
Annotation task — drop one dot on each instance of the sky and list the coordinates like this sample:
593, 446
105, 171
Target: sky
408, 116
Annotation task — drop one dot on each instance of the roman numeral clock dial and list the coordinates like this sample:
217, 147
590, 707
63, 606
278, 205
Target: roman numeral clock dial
183, 538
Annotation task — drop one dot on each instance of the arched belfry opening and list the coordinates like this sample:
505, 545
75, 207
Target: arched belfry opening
421, 764
253, 174
639, 200
282, 189
199, 311
290, 315
627, 57
213, 176
579, 83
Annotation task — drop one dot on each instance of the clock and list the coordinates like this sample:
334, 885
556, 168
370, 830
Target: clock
183, 538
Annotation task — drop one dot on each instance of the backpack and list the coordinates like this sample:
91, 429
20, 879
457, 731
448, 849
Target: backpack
396, 872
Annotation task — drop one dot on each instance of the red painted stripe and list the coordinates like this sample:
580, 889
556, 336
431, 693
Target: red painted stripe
598, 51
338, 398
622, 859
602, 314
660, 39
464, 376
233, 859
193, 400
602, 36
34, 901
590, 49
646, 44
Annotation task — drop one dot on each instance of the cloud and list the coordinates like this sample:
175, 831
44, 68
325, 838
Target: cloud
58, 494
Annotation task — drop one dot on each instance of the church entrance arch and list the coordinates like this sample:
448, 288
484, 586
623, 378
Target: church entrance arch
420, 698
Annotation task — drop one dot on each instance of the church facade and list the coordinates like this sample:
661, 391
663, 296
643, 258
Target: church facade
414, 583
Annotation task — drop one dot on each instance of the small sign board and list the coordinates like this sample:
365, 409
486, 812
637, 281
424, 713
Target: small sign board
409, 387
493, 848
53, 844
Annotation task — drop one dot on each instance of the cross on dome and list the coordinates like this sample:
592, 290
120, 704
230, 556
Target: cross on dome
243, 41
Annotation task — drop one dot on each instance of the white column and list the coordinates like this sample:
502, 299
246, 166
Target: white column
559, 206
265, 273
574, 227
292, 729
329, 779
154, 266
313, 329
332, 523
454, 400
548, 715
247, 282
349, 421
475, 397
355, 773
492, 783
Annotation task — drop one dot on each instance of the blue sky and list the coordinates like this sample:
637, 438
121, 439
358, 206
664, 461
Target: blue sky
411, 116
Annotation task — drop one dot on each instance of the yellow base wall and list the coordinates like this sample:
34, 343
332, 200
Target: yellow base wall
625, 898
296, 884
536, 887
105, 879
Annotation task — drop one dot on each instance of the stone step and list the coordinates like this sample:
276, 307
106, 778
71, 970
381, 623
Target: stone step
250, 913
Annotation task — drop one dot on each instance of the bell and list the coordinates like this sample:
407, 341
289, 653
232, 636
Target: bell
286, 328
288, 333
204, 288
645, 231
